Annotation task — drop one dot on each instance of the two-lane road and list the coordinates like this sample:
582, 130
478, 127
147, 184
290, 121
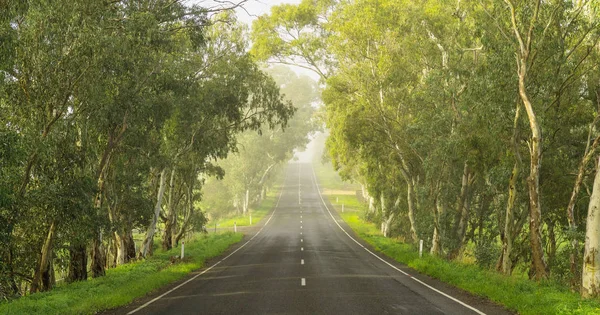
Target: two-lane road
304, 260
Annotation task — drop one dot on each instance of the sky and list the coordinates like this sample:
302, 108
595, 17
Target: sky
251, 10
254, 8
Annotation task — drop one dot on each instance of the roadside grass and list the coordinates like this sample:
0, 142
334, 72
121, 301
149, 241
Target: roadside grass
257, 214
514, 292
123, 284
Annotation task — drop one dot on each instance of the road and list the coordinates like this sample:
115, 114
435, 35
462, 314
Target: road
305, 260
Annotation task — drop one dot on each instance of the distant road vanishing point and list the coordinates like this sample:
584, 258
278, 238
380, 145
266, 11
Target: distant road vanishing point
305, 260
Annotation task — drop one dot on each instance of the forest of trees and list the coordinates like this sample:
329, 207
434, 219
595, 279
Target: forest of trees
112, 114
471, 124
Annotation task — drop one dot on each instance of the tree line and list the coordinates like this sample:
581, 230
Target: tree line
112, 114
472, 124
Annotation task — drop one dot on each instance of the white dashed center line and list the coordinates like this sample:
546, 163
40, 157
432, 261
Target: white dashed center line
302, 261
303, 282
301, 249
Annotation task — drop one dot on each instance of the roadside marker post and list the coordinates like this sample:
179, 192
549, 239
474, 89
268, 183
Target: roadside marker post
342, 208
182, 249
337, 199
234, 227
250, 219
420, 248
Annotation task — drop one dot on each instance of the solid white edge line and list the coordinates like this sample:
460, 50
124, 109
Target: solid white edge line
211, 267
383, 260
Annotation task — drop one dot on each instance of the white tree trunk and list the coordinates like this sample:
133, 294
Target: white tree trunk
590, 278
121, 250
246, 201
147, 244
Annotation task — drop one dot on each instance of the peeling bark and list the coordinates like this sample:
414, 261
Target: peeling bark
43, 278
170, 221
590, 277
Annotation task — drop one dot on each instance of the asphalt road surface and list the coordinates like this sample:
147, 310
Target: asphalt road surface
305, 260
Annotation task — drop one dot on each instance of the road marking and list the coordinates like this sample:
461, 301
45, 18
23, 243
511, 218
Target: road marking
383, 260
300, 217
301, 249
302, 261
303, 282
301, 240
301, 226
300, 233
300, 221
220, 261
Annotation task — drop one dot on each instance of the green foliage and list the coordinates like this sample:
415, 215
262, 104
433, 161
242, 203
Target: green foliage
97, 100
516, 293
125, 283
252, 169
424, 111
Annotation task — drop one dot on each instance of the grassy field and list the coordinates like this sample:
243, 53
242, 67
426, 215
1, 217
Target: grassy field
123, 284
516, 293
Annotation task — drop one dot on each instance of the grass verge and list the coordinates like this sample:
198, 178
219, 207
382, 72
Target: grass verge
257, 214
123, 284
515, 293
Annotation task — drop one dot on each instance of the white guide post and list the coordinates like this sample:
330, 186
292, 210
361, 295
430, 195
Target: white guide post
342, 208
421, 248
235, 227
250, 219
182, 249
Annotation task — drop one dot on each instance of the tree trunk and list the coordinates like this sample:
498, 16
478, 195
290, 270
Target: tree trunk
386, 224
462, 213
189, 213
539, 266
119, 240
574, 256
535, 207
43, 277
129, 246
77, 263
590, 276
507, 235
436, 246
246, 201
167, 244
146, 247
410, 196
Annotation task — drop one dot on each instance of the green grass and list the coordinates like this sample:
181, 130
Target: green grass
514, 292
123, 284
257, 214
